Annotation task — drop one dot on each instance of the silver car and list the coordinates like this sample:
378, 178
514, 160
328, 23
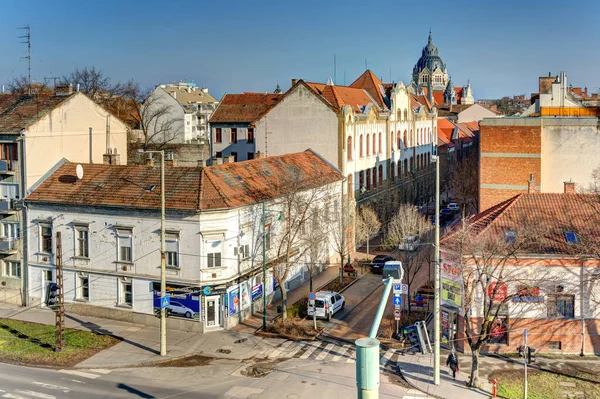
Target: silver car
180, 310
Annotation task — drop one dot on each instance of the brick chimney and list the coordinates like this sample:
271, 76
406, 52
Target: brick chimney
111, 157
531, 185
63, 89
258, 155
569, 187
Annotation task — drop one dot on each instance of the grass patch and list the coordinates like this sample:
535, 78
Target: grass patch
546, 385
294, 327
31, 343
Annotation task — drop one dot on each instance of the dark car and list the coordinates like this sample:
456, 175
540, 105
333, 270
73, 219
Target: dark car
376, 265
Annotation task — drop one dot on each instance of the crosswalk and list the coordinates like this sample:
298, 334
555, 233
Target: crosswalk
320, 351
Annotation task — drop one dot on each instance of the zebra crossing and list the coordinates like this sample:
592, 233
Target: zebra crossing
91, 374
321, 351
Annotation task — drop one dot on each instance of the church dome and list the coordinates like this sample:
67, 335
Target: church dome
429, 58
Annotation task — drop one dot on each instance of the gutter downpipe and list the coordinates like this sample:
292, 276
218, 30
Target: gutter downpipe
24, 218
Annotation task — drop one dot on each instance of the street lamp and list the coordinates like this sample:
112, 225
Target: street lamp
264, 261
163, 258
436, 287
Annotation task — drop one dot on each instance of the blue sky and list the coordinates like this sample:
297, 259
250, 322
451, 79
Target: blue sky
234, 46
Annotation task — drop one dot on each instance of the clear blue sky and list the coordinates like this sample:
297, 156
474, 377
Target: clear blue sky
235, 46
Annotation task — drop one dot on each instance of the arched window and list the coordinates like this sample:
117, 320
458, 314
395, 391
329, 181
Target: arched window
399, 169
393, 171
374, 144
380, 146
374, 176
405, 114
349, 148
412, 164
360, 145
405, 139
380, 174
428, 158
368, 144
411, 139
399, 141
368, 172
405, 167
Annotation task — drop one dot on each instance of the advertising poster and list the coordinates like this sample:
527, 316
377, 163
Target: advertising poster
184, 304
452, 284
445, 328
269, 282
245, 295
257, 288
233, 300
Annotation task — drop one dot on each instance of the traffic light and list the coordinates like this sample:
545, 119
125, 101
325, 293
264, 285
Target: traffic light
52, 296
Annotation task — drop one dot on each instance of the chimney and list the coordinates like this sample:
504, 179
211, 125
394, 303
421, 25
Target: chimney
63, 89
569, 187
294, 81
585, 92
217, 161
531, 185
201, 163
258, 155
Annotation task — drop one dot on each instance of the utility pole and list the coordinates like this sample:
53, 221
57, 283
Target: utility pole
264, 262
28, 56
525, 332
163, 258
436, 295
60, 308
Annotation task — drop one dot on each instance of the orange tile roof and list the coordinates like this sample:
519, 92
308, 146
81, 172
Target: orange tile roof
445, 130
19, 112
340, 96
468, 129
438, 97
243, 108
552, 214
187, 189
459, 93
372, 84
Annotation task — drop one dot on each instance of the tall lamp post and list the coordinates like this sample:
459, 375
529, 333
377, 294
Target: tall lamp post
264, 262
436, 295
163, 257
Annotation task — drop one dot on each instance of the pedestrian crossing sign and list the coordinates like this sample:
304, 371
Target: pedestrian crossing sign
165, 301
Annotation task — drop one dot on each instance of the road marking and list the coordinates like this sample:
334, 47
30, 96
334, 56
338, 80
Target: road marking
351, 356
11, 396
325, 351
341, 352
310, 350
50, 386
80, 374
35, 394
296, 348
71, 379
387, 357
279, 350
101, 371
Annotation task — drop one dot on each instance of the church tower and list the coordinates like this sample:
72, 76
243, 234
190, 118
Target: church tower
430, 68
450, 94
467, 94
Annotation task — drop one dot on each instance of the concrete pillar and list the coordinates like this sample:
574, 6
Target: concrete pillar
367, 368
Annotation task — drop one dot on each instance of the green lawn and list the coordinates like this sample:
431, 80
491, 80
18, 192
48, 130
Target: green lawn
32, 343
546, 385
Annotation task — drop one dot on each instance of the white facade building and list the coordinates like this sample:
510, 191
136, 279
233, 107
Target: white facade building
110, 234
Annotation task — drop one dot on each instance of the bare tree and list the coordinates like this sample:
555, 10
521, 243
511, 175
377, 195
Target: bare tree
367, 225
92, 82
20, 86
158, 125
464, 183
408, 222
315, 238
341, 234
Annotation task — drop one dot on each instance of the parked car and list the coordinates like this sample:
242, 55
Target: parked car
453, 206
376, 265
180, 310
326, 303
445, 211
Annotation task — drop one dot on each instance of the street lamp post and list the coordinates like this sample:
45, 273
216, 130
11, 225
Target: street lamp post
163, 257
436, 295
264, 264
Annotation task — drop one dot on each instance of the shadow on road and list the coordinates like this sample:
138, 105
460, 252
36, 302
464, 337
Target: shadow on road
135, 391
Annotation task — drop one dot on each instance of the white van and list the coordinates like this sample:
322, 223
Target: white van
326, 303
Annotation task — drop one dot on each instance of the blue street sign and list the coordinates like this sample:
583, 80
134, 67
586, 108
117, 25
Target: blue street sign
397, 300
397, 288
165, 301
311, 296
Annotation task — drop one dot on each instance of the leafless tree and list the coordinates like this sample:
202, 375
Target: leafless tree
367, 225
341, 233
464, 183
157, 124
408, 222
20, 86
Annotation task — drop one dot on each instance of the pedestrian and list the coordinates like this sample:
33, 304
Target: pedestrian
452, 362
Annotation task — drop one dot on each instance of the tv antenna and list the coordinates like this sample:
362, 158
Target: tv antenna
28, 56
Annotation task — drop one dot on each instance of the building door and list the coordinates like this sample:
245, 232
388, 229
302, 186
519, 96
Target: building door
47, 277
213, 315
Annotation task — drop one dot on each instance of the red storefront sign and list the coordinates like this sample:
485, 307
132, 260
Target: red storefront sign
497, 291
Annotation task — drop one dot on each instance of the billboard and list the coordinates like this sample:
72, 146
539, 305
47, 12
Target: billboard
233, 300
185, 303
452, 284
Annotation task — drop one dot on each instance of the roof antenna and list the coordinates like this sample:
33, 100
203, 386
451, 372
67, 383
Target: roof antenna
334, 71
366, 66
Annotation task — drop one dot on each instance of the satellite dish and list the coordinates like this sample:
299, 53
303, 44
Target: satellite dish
79, 171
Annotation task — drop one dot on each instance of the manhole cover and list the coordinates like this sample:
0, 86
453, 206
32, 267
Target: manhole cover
225, 351
239, 341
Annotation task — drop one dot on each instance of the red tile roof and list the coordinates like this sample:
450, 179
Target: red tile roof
372, 84
187, 189
244, 108
340, 96
550, 214
445, 129
19, 112
438, 97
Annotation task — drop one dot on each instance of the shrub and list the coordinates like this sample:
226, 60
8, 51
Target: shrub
293, 327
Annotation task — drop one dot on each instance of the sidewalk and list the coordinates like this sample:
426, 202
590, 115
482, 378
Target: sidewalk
141, 343
417, 369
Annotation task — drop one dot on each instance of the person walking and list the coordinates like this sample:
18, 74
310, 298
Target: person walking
452, 362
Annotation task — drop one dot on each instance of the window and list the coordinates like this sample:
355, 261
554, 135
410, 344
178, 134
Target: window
9, 151
374, 176
126, 297
82, 244
405, 114
349, 148
510, 236
374, 144
368, 144
361, 179
172, 250
368, 171
399, 169
571, 237
360, 145
380, 147
125, 245
412, 164
406, 167
46, 238
380, 174
554, 345
233, 135
218, 135
561, 306
219, 154
393, 171
234, 156
213, 254
12, 269
83, 292
250, 135
11, 230
48, 275
250, 155
405, 139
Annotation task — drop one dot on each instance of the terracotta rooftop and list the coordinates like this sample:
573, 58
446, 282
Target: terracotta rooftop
187, 189
445, 129
553, 214
373, 85
19, 112
244, 108
340, 96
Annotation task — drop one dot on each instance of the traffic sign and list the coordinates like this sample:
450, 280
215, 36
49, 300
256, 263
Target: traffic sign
397, 300
165, 301
397, 288
397, 314
311, 296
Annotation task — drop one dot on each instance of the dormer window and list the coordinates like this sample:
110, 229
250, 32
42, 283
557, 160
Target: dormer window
510, 236
571, 237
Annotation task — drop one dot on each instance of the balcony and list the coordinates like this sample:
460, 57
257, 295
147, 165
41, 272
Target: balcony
7, 207
8, 245
8, 167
